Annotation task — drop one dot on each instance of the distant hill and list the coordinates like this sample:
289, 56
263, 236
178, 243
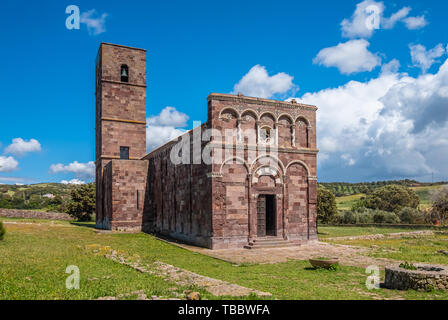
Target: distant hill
341, 189
41, 196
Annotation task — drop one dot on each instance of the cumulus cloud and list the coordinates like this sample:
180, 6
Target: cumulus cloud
73, 181
169, 116
349, 57
258, 83
369, 16
95, 24
413, 23
357, 25
164, 127
423, 58
8, 164
392, 126
389, 23
390, 67
20, 147
81, 170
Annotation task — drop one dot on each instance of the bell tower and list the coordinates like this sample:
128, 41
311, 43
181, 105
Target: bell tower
120, 126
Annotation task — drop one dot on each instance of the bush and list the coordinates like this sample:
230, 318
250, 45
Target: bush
2, 231
411, 216
326, 206
439, 201
82, 203
385, 217
392, 198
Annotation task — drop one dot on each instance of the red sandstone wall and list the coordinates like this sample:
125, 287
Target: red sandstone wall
125, 184
235, 192
179, 203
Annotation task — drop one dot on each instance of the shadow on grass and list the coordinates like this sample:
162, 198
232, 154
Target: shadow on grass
88, 224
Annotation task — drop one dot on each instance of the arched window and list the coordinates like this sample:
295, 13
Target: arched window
124, 73
266, 135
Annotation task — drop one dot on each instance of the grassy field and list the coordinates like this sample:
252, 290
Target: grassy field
331, 232
34, 256
423, 192
424, 249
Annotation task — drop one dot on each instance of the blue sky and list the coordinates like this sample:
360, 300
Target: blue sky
382, 93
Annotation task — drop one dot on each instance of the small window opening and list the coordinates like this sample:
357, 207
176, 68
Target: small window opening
124, 73
124, 153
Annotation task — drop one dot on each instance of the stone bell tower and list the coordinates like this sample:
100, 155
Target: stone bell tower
120, 116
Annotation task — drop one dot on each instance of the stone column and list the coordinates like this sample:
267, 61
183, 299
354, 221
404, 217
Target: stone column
238, 121
257, 123
284, 209
293, 135
276, 133
308, 136
249, 205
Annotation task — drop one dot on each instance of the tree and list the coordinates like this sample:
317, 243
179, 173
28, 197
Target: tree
82, 203
326, 206
439, 201
392, 198
2, 231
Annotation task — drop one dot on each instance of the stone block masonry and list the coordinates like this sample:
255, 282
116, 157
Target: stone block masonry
260, 182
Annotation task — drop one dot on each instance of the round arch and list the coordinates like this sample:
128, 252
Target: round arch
303, 164
268, 156
303, 119
229, 109
237, 159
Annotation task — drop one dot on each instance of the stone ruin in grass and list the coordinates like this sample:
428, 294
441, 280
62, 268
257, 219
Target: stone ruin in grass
426, 277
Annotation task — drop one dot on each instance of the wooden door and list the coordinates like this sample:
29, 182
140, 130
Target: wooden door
261, 216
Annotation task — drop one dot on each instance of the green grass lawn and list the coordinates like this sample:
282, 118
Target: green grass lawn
33, 259
422, 249
337, 231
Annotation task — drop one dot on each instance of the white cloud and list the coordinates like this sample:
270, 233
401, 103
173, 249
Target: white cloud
349, 57
370, 12
73, 181
8, 164
258, 83
81, 170
413, 23
164, 127
389, 23
357, 25
423, 58
20, 147
390, 67
95, 25
169, 116
393, 126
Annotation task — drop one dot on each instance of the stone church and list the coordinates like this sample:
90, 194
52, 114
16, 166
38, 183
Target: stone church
244, 178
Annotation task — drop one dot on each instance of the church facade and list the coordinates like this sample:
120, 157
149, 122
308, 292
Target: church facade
244, 177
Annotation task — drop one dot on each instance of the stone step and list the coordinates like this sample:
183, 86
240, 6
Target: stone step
268, 242
268, 246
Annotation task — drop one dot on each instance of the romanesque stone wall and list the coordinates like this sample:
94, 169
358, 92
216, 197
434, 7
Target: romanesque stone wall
285, 167
179, 202
125, 183
120, 112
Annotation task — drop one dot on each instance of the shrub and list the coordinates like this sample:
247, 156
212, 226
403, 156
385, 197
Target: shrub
411, 216
439, 201
385, 217
326, 206
2, 231
392, 198
82, 203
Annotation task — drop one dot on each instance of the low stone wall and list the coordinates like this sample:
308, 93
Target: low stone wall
27, 214
426, 277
